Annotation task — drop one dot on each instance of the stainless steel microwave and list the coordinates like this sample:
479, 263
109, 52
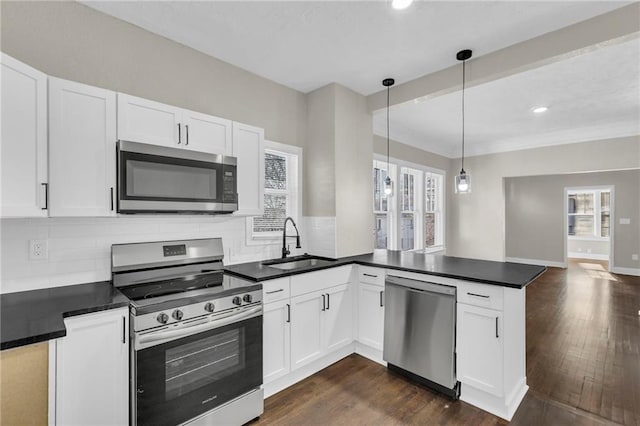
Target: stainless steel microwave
158, 179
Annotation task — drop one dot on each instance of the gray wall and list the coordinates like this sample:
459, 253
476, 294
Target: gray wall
534, 208
319, 155
74, 42
353, 160
476, 221
409, 153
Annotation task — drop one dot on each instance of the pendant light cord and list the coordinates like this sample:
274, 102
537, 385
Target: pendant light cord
388, 87
463, 80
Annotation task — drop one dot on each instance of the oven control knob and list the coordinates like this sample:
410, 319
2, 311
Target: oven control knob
162, 318
177, 314
236, 301
209, 307
248, 298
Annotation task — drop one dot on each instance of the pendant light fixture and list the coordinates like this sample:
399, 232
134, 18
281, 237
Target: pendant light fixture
463, 180
388, 185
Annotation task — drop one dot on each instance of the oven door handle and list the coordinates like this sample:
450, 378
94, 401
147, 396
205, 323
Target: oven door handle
158, 337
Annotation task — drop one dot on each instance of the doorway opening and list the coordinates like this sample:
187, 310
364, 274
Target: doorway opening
588, 231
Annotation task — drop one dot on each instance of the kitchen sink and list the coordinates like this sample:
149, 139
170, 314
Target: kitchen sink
298, 262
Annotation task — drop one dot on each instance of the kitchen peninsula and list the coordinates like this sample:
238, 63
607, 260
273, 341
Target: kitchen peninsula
490, 318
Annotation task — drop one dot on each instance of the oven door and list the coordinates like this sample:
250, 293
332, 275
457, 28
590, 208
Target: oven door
160, 179
179, 378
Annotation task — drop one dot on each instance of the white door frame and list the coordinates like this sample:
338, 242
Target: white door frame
612, 216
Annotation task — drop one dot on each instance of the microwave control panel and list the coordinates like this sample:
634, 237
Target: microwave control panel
229, 184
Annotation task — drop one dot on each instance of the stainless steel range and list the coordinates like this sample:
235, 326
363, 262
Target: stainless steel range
196, 353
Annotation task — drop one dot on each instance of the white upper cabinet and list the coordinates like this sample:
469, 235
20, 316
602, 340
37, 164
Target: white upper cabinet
248, 148
23, 156
145, 121
82, 149
207, 133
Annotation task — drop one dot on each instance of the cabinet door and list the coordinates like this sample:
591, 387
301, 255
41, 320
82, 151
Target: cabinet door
371, 315
338, 320
277, 340
145, 121
82, 149
248, 147
306, 329
92, 370
480, 348
24, 139
207, 133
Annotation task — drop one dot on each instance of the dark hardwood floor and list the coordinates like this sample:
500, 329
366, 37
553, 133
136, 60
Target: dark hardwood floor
583, 366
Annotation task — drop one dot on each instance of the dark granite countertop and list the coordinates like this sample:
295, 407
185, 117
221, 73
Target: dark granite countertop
36, 316
505, 274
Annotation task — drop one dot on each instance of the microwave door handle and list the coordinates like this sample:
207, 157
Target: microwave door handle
155, 338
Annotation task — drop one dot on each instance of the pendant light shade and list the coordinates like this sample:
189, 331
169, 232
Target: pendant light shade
463, 180
388, 185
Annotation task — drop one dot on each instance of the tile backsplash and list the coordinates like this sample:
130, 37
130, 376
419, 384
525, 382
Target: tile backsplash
79, 249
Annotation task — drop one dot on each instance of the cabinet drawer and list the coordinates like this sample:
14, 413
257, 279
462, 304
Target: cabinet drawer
277, 289
483, 295
367, 274
319, 280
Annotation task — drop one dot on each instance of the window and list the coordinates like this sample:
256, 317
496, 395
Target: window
380, 205
408, 207
433, 226
588, 213
281, 191
412, 217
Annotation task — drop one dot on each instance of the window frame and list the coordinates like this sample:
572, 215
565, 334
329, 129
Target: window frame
596, 215
294, 191
393, 222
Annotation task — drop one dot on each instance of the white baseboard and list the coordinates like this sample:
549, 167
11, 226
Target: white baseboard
308, 370
536, 262
593, 256
625, 271
368, 352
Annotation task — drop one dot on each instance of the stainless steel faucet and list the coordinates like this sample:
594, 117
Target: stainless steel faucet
285, 249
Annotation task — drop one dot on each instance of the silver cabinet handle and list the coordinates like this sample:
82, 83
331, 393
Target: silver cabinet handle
179, 134
124, 330
323, 303
186, 129
328, 302
381, 298
275, 291
288, 312
112, 198
46, 195
497, 335
370, 275
478, 295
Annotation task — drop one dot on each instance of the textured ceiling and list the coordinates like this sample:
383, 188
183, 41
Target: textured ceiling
308, 44
592, 96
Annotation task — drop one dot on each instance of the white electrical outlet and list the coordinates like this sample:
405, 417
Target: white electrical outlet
38, 249
634, 257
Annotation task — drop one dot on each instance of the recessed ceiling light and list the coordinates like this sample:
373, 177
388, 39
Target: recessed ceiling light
540, 110
401, 4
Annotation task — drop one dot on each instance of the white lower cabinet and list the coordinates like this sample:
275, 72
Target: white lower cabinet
371, 315
90, 369
480, 348
338, 330
277, 340
307, 328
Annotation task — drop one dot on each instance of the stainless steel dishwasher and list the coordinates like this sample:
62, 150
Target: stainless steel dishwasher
419, 332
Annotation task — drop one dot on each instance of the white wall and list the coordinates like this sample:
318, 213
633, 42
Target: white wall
80, 248
588, 249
